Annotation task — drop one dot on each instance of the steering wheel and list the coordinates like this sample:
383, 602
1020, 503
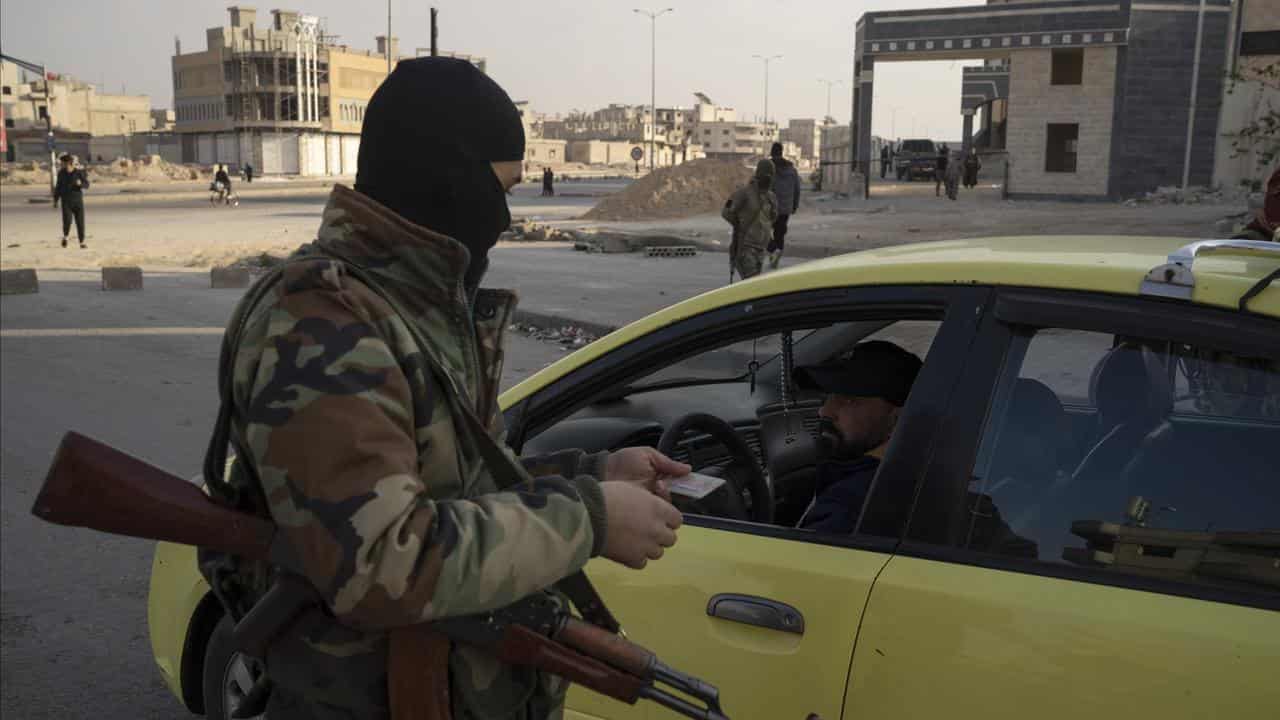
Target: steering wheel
747, 493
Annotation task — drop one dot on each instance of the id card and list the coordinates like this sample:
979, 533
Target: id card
695, 486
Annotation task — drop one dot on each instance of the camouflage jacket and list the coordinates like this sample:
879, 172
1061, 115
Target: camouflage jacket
380, 501
751, 212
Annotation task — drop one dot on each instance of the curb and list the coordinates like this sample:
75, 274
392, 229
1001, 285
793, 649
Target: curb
19, 281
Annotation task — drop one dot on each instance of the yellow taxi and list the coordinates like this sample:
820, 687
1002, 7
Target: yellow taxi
1112, 402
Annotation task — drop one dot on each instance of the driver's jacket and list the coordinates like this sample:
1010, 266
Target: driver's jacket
378, 502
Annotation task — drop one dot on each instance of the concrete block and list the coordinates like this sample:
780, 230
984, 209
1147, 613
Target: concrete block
227, 278
19, 282
121, 278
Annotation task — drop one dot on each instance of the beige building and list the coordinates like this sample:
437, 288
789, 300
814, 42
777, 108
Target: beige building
281, 94
78, 110
806, 133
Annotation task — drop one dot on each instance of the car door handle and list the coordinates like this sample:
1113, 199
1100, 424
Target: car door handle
758, 611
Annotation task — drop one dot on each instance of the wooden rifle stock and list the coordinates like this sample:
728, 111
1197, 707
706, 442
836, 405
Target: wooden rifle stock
95, 486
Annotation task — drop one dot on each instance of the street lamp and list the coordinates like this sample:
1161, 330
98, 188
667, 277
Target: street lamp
766, 85
653, 73
829, 84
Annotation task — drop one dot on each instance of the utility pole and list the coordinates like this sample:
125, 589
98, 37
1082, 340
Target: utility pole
388, 47
653, 75
435, 33
766, 90
829, 84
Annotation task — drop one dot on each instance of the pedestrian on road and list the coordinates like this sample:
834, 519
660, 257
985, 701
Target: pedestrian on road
548, 182
786, 188
69, 190
248, 172
363, 382
751, 210
953, 173
940, 170
971, 167
884, 160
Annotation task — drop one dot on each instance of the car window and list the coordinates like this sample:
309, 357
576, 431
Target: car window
1146, 458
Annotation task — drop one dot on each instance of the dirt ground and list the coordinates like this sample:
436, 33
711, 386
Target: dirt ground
179, 228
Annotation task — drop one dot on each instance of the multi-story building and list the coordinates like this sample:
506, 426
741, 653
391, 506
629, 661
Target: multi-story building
672, 133
805, 133
282, 95
78, 110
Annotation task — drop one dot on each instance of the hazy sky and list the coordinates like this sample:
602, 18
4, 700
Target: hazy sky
558, 54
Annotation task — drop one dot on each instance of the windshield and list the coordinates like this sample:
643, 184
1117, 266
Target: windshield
921, 146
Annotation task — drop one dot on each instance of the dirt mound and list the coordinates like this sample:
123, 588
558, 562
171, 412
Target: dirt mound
24, 173
147, 168
694, 188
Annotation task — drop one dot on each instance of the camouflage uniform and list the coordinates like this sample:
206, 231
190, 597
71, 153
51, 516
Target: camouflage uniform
381, 501
752, 211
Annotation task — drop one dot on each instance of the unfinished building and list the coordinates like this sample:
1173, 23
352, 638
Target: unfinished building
283, 95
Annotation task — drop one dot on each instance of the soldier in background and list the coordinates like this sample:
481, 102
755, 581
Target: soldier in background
366, 405
951, 175
751, 210
940, 169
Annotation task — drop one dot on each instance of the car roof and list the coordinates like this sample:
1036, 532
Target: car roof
1107, 264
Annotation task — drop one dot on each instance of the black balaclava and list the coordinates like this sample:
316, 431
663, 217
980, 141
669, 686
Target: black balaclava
429, 134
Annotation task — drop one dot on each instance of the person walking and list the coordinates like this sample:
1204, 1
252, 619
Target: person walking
884, 160
548, 182
954, 171
751, 210
360, 391
971, 167
248, 172
940, 170
68, 190
786, 189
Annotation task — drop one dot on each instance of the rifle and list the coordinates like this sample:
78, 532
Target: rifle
95, 486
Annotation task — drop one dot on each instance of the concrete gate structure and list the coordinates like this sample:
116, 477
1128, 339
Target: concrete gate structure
1143, 112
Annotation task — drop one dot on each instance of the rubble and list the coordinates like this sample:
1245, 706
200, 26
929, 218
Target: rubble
146, 168
567, 336
1194, 195
694, 188
529, 231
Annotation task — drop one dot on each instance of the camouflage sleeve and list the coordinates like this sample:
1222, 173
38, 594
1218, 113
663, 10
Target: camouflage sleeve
330, 426
730, 210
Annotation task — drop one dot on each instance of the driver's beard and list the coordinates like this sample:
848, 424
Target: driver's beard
834, 446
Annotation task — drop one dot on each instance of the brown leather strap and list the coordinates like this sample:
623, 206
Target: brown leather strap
418, 674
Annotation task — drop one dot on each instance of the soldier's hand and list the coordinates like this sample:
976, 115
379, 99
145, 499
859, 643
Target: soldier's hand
646, 467
639, 525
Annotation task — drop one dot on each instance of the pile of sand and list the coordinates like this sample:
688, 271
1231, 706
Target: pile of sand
24, 173
147, 168
694, 188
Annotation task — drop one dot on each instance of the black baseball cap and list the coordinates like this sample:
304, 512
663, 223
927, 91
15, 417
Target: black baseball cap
876, 368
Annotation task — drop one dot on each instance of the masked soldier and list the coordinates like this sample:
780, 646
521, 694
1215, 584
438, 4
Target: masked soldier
752, 211
364, 386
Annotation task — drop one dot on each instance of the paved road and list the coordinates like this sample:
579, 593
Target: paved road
73, 603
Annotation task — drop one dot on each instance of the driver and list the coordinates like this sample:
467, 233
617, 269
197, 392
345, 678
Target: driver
865, 391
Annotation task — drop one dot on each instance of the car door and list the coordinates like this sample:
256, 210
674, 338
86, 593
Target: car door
768, 614
1129, 570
